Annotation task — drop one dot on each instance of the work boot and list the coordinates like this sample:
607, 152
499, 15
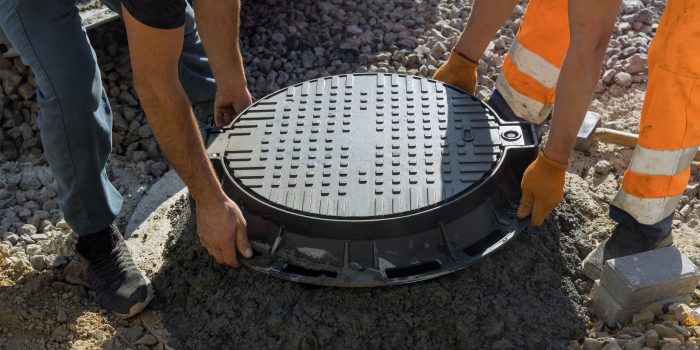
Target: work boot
625, 240
499, 104
119, 285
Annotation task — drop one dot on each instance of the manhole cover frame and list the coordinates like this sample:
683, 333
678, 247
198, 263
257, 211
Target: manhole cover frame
269, 230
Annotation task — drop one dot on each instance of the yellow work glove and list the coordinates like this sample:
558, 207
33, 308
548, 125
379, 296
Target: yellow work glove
459, 71
543, 189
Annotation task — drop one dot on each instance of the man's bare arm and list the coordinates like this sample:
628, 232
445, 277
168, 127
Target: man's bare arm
154, 58
218, 24
591, 23
486, 18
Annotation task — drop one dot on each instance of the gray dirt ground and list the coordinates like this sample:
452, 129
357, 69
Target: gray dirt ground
527, 297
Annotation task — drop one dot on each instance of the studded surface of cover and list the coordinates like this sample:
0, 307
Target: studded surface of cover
372, 179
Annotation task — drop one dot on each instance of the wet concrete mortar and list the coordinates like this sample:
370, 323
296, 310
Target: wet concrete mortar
528, 296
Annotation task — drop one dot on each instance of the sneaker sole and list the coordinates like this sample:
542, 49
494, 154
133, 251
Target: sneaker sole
137, 308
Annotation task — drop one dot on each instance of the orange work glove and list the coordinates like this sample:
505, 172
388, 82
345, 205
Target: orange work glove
459, 71
543, 189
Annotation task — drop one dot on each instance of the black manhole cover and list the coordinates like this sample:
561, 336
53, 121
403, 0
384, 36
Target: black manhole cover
372, 179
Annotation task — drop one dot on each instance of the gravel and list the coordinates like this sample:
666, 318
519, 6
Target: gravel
623, 79
285, 43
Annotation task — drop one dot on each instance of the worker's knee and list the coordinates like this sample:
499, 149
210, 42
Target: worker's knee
589, 38
590, 46
75, 90
601, 45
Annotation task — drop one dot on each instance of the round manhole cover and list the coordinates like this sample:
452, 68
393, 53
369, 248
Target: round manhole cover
372, 179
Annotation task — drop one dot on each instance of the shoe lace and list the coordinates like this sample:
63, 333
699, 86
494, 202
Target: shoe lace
109, 268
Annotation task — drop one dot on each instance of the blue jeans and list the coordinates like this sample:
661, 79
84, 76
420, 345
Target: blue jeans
74, 113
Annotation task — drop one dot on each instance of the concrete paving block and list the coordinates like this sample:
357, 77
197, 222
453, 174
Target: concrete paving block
149, 227
169, 186
654, 275
613, 313
605, 306
630, 283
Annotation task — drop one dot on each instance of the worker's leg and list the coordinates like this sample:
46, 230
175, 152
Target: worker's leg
669, 125
74, 113
531, 67
195, 73
669, 138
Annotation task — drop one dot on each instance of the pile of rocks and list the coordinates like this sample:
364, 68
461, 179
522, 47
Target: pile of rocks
43, 248
689, 207
29, 193
651, 328
19, 133
625, 63
18, 129
46, 297
308, 39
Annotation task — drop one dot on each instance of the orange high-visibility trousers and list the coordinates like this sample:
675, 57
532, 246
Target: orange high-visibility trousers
670, 121
531, 67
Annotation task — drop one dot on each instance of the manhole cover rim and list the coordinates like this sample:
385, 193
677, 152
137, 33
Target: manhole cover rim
270, 204
383, 226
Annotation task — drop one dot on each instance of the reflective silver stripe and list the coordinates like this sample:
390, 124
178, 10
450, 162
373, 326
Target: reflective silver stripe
661, 162
647, 211
533, 65
523, 106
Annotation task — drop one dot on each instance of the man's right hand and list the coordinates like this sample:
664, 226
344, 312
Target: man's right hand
229, 103
543, 189
458, 71
222, 230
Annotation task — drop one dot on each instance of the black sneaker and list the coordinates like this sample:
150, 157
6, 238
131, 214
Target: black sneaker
119, 285
624, 241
